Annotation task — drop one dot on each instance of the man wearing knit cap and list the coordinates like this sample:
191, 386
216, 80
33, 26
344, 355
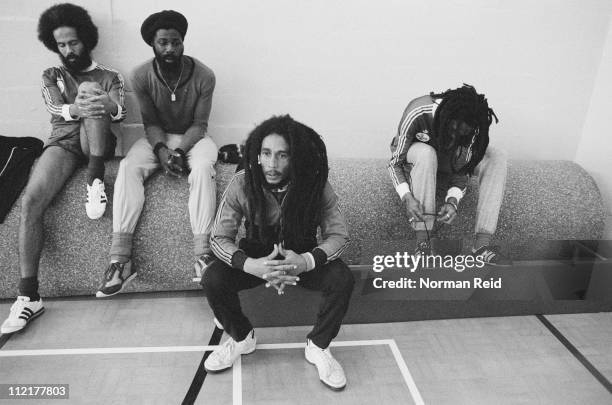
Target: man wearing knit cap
175, 96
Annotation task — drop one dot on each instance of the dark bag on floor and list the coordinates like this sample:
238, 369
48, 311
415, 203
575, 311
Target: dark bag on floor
16, 158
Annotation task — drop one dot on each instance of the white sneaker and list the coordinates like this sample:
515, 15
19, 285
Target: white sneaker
96, 199
22, 312
330, 371
225, 355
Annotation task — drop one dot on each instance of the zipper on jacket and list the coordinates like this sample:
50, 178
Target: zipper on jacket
8, 160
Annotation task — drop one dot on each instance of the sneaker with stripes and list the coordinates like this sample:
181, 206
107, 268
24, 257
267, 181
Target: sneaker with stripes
22, 312
96, 199
116, 277
491, 255
201, 264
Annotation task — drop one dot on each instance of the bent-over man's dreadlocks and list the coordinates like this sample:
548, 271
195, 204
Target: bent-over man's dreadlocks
463, 104
308, 170
67, 15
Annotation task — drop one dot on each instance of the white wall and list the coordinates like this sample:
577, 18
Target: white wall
348, 68
595, 147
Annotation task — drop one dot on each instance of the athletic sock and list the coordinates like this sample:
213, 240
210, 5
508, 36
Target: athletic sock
28, 286
421, 236
120, 258
95, 169
481, 239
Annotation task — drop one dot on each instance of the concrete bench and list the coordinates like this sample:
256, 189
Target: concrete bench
544, 201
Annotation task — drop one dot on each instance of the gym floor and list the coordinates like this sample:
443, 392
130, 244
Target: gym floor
148, 349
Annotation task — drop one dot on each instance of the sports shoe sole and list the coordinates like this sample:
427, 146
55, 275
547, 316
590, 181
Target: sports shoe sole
36, 315
228, 367
100, 294
323, 382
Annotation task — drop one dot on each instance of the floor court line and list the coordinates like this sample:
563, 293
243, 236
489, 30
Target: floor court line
171, 349
237, 369
4, 339
201, 373
237, 382
412, 387
414, 391
576, 353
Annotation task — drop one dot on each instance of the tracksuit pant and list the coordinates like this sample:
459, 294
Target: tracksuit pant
491, 172
129, 197
222, 283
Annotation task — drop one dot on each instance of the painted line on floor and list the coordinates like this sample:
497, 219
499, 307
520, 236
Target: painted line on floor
573, 350
237, 374
3, 339
414, 391
412, 387
237, 382
200, 375
170, 349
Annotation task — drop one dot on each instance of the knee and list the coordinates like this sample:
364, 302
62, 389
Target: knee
126, 168
341, 277
32, 205
88, 87
204, 152
214, 278
423, 154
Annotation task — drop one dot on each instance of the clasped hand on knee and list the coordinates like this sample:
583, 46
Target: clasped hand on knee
93, 103
277, 272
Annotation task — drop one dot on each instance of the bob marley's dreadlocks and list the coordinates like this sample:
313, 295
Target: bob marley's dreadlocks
308, 171
463, 104
67, 15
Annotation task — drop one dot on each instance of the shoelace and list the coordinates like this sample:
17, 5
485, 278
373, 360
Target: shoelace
329, 359
227, 348
115, 266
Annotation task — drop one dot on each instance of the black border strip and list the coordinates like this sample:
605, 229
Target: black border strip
200, 376
573, 350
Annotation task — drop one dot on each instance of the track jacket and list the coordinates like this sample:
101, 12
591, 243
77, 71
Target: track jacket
234, 207
416, 126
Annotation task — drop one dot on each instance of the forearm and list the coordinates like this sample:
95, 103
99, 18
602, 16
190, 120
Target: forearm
194, 134
155, 134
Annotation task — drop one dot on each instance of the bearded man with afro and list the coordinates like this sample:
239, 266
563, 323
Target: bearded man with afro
83, 98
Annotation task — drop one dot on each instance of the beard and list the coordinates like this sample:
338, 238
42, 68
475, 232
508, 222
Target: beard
168, 62
76, 63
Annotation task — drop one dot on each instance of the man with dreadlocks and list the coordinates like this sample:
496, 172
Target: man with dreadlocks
445, 137
83, 98
284, 196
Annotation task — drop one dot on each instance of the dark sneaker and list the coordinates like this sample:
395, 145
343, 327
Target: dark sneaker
22, 312
421, 252
201, 264
491, 255
115, 279
423, 249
